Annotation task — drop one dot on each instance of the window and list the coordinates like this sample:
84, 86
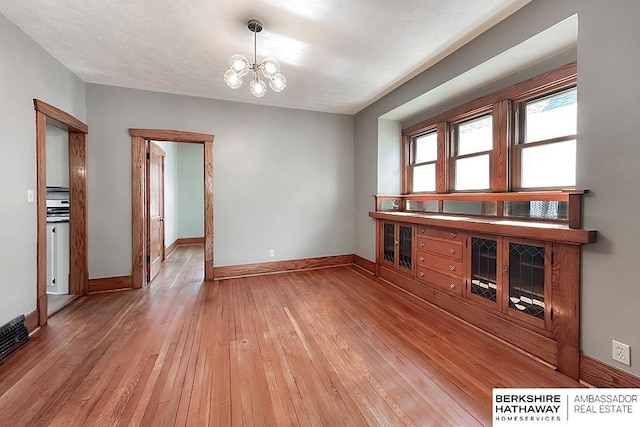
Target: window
522, 137
472, 142
546, 152
423, 156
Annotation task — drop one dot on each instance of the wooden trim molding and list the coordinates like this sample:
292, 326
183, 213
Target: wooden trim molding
365, 264
189, 241
531, 230
31, 321
172, 247
41, 208
138, 179
171, 135
232, 271
60, 118
110, 284
78, 266
139, 138
208, 209
601, 375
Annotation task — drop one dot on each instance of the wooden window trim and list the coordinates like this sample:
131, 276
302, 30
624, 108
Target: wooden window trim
518, 144
504, 105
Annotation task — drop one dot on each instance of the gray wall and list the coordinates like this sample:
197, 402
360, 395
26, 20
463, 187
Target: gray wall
27, 72
389, 156
283, 179
608, 150
190, 190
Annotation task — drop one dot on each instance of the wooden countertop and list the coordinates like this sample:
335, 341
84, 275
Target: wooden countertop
510, 227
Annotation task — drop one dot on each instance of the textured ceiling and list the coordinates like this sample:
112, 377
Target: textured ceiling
337, 55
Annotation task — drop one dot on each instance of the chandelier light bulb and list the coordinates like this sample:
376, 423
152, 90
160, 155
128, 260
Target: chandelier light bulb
278, 83
257, 87
270, 67
233, 79
239, 66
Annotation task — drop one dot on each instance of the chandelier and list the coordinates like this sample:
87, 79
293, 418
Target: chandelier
239, 67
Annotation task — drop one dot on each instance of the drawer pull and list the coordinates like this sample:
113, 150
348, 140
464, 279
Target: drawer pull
421, 274
453, 251
422, 230
452, 267
452, 285
453, 235
421, 258
396, 242
422, 244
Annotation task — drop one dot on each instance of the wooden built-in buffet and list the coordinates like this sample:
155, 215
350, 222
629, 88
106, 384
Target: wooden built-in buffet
508, 263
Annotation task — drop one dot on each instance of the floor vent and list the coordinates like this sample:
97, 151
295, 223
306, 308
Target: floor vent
12, 336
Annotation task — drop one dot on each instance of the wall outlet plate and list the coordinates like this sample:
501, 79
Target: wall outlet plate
272, 253
621, 352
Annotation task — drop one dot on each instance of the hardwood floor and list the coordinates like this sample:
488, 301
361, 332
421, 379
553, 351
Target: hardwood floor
321, 347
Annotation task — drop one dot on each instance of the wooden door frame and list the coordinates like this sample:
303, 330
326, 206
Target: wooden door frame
139, 143
78, 264
148, 209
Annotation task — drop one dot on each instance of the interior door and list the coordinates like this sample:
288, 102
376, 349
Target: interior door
156, 210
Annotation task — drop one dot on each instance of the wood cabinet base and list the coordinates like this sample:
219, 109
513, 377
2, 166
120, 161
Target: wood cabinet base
521, 290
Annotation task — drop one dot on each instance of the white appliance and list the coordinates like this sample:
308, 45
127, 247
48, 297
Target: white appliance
57, 240
58, 258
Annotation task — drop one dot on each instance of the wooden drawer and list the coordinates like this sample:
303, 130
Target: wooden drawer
445, 248
440, 264
442, 281
440, 233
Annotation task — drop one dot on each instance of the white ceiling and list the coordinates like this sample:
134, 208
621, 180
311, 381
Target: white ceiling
337, 55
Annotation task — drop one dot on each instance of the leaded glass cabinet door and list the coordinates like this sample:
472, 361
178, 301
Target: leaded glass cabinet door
405, 247
388, 254
484, 279
527, 293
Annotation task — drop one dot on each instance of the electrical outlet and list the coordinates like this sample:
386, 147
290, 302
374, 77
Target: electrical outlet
29, 196
621, 352
272, 253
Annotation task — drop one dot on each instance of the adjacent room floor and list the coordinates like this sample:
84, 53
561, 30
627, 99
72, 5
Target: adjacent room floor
322, 347
55, 303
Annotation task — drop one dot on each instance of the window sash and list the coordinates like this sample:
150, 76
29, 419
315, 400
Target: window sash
414, 148
455, 149
520, 143
517, 168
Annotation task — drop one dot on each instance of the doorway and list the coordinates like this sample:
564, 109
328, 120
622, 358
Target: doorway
77, 159
155, 223
140, 184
